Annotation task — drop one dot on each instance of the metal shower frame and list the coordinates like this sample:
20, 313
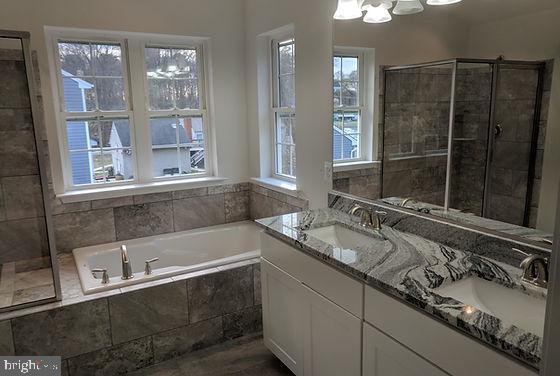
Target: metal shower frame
495, 64
36, 117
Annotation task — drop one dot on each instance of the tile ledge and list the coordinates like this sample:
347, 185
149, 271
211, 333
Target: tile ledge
137, 189
357, 165
278, 185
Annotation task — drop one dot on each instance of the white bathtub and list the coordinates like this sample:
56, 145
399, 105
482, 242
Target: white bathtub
178, 253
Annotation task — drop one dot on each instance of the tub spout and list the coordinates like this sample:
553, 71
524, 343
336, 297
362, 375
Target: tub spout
126, 265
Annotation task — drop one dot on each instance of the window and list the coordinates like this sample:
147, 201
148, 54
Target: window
109, 141
347, 113
283, 108
95, 112
176, 115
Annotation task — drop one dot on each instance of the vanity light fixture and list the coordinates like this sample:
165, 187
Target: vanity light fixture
378, 14
348, 10
377, 11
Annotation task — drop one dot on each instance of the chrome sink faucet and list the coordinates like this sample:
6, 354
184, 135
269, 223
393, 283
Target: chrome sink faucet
535, 269
126, 264
406, 201
368, 218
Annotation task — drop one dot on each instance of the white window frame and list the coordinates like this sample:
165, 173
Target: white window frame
136, 89
366, 103
276, 110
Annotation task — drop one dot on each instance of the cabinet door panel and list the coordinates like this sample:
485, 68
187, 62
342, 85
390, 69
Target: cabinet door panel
332, 338
282, 311
383, 356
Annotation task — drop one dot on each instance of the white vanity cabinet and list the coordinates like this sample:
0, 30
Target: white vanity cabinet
320, 322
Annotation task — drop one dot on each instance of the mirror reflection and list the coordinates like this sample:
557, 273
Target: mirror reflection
456, 122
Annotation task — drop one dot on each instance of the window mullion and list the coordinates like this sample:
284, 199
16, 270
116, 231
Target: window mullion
141, 123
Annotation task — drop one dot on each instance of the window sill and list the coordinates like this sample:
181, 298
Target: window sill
278, 185
137, 189
356, 165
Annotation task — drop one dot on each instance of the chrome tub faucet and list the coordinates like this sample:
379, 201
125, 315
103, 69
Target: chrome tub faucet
126, 264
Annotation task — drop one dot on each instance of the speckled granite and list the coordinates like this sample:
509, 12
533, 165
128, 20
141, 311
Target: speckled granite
471, 219
409, 267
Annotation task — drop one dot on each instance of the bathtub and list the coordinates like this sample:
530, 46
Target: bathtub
178, 253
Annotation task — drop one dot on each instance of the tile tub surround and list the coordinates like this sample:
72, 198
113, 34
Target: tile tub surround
127, 329
266, 202
409, 267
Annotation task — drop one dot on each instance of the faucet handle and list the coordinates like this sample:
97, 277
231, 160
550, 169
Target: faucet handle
148, 267
104, 277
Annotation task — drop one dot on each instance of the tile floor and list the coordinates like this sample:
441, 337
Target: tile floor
246, 357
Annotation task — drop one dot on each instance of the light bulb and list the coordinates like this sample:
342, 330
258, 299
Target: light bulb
442, 2
347, 10
406, 7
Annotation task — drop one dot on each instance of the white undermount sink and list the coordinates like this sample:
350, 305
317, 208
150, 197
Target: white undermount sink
510, 305
340, 236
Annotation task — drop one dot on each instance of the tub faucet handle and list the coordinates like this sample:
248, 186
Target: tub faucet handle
148, 268
104, 277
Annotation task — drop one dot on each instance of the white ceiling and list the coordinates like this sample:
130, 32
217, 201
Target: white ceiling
483, 11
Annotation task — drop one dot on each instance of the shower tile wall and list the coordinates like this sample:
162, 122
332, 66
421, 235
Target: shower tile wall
416, 128
365, 182
472, 114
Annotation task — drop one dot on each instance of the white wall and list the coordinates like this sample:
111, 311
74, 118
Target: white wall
312, 22
220, 20
531, 37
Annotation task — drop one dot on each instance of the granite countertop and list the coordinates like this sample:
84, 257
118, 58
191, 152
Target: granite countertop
409, 267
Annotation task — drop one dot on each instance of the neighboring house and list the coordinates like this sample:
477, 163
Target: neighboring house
344, 146
168, 144
77, 132
174, 150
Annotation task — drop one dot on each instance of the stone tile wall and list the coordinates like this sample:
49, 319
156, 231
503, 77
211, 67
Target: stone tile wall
124, 332
364, 182
266, 202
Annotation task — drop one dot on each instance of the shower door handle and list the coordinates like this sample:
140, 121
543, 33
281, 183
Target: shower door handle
498, 129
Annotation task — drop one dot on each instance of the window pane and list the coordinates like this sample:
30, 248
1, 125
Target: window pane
82, 165
79, 94
187, 94
287, 91
81, 134
75, 58
284, 134
351, 122
349, 93
337, 68
172, 78
107, 60
115, 133
286, 58
160, 93
110, 94
350, 68
337, 145
336, 94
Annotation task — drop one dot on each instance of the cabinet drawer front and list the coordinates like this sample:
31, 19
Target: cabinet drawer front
337, 287
383, 356
452, 351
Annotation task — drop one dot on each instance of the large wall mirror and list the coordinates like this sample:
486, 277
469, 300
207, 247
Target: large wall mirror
458, 121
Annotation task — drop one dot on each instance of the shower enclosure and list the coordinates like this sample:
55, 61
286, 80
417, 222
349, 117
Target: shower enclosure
463, 134
28, 264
